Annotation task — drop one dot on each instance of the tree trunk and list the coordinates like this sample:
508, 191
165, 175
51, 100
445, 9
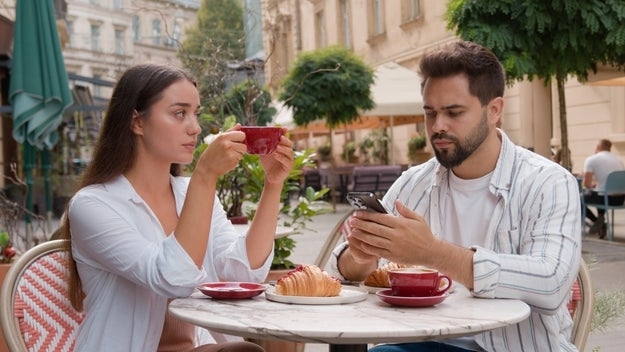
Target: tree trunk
564, 134
332, 172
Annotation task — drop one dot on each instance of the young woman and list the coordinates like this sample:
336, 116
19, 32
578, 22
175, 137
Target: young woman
142, 234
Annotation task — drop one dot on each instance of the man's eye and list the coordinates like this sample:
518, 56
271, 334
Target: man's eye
430, 114
454, 113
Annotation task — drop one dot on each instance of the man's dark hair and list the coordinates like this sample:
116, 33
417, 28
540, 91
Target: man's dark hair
483, 69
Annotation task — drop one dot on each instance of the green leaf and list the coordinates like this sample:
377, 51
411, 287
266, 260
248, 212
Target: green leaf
4, 238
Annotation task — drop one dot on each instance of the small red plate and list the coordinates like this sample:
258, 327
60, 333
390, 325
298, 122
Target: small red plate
387, 296
231, 289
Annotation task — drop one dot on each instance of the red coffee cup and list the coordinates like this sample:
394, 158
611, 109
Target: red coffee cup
261, 139
418, 282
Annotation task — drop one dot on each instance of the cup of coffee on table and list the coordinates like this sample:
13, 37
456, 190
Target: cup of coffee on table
418, 282
261, 139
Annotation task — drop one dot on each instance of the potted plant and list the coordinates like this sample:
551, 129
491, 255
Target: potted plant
325, 152
416, 146
295, 214
374, 147
349, 152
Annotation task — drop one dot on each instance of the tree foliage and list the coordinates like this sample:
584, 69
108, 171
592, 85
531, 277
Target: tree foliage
217, 39
545, 39
330, 83
250, 103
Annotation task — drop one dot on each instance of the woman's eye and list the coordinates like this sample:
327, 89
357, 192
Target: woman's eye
180, 114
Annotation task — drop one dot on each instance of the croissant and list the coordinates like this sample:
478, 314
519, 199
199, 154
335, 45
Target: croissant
308, 280
379, 277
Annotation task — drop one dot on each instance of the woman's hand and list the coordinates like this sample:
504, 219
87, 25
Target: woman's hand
279, 163
223, 153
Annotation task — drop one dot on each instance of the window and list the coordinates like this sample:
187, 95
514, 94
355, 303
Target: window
70, 32
95, 37
175, 36
376, 17
97, 89
411, 10
117, 4
135, 29
320, 29
345, 29
156, 32
119, 41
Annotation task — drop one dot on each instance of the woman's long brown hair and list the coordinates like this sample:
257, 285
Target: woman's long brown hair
115, 150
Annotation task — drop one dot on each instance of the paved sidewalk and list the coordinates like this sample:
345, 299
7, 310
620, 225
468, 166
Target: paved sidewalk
606, 261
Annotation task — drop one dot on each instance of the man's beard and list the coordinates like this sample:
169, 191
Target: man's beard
453, 157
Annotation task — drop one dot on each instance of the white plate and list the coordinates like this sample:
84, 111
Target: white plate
373, 289
349, 294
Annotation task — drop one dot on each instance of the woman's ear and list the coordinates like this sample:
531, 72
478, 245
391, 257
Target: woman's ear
136, 125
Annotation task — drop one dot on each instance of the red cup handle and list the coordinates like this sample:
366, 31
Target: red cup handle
447, 286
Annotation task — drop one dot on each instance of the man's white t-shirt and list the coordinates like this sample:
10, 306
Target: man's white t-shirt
601, 165
468, 208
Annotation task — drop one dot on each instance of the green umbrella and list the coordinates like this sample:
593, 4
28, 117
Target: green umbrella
39, 89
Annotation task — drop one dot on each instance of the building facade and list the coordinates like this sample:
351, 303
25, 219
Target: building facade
101, 39
400, 31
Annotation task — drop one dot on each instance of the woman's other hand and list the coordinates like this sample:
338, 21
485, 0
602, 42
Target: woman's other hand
279, 163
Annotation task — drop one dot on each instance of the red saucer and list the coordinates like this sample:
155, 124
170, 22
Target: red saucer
231, 289
387, 296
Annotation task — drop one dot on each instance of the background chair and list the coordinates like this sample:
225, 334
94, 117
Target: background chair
36, 312
581, 307
388, 176
312, 178
614, 185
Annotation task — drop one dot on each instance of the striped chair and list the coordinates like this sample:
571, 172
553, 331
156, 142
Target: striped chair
36, 312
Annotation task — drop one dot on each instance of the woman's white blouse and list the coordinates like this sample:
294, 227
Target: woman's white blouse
129, 267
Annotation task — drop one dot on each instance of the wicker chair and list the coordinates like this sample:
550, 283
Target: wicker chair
338, 233
36, 313
581, 306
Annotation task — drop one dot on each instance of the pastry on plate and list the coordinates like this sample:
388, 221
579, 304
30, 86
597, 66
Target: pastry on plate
379, 277
308, 280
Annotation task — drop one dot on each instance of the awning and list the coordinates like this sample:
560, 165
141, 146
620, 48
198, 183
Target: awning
319, 128
396, 91
397, 94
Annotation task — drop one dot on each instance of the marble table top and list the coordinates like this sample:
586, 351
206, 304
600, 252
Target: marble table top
368, 321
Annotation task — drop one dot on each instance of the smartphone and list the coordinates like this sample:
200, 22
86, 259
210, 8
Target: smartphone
367, 201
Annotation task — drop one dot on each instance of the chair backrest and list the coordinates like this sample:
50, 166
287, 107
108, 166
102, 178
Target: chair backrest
581, 307
615, 183
338, 233
388, 176
365, 182
312, 178
36, 312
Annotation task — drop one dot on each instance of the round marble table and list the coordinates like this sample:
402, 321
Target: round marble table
350, 326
